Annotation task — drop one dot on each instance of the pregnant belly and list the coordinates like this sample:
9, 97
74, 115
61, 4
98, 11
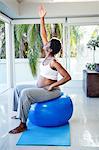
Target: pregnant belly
42, 81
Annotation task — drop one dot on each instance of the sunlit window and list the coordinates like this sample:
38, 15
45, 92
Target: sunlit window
80, 52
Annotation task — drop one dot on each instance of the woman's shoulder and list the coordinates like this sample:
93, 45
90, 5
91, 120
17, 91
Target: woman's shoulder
54, 63
55, 60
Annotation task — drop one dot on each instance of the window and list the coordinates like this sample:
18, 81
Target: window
80, 54
3, 72
27, 37
28, 44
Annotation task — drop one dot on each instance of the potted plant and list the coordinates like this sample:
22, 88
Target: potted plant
93, 44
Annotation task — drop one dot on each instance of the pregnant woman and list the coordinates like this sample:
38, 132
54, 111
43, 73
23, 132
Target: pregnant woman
47, 86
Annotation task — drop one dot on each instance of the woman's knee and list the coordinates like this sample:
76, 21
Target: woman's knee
24, 94
18, 89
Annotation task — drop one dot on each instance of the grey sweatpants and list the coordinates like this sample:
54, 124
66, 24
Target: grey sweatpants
16, 96
28, 96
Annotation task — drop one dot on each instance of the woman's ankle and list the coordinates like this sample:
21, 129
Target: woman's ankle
23, 124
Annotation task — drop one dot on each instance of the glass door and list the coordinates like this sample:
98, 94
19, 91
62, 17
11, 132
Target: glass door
81, 50
3, 66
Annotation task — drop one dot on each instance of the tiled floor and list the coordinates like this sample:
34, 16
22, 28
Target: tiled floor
3, 88
84, 123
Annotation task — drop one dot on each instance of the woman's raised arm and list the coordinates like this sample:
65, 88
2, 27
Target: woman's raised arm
42, 13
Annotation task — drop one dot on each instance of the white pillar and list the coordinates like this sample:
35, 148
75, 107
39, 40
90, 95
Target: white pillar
9, 34
68, 48
64, 46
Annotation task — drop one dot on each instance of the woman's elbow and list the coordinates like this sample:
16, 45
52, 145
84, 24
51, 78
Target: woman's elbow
67, 78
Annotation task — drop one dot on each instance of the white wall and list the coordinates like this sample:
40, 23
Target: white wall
22, 71
3, 72
60, 9
29, 9
12, 5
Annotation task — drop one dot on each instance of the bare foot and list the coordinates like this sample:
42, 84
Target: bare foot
22, 127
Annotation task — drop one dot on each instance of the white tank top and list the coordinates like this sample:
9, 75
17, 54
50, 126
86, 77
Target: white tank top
47, 72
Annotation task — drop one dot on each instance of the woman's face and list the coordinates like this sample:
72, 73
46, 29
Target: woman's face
47, 46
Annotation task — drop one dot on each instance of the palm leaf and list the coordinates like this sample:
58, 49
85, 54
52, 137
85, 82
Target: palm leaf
20, 30
31, 35
34, 47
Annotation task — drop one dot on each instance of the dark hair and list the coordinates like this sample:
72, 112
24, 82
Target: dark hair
55, 45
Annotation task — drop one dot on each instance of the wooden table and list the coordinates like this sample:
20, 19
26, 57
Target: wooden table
91, 83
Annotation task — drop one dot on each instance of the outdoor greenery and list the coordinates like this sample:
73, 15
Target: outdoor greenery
28, 43
35, 44
75, 36
55, 30
93, 43
2, 40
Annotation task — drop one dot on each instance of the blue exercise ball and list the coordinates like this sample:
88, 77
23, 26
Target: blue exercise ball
55, 112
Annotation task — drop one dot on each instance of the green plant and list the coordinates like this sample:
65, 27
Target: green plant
91, 66
35, 43
93, 44
75, 36
28, 44
2, 40
33, 56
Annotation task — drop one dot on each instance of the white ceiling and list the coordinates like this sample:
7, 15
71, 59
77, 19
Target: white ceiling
55, 1
47, 1
55, 8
